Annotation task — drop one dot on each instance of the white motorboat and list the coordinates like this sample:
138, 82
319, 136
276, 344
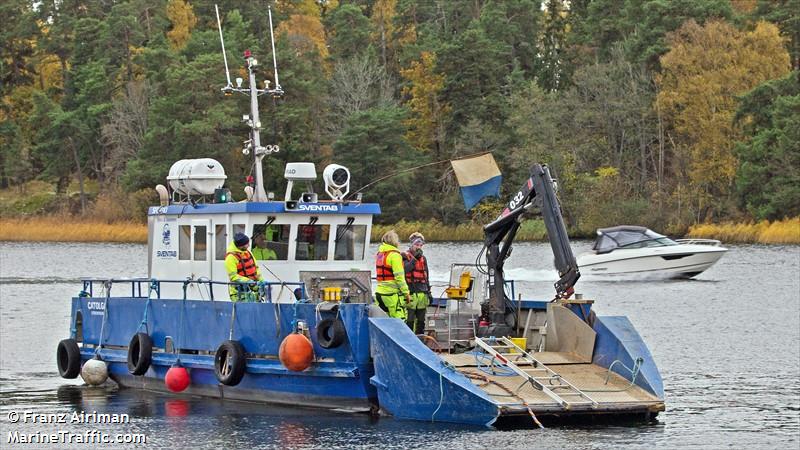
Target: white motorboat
631, 249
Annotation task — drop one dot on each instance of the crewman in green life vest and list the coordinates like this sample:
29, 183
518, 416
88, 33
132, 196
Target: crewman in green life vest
418, 280
242, 268
392, 293
260, 250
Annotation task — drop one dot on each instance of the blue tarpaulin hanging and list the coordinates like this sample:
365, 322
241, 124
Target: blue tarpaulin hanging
478, 177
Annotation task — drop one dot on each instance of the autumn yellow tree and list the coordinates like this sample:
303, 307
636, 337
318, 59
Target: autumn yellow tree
303, 28
705, 70
181, 14
426, 125
383, 22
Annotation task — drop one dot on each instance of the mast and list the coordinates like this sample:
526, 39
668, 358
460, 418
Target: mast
253, 145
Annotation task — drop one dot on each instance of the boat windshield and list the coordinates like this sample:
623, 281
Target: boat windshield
609, 239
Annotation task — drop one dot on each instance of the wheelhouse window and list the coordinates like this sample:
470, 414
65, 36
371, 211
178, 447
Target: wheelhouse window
237, 228
312, 242
185, 243
200, 243
270, 242
351, 241
221, 242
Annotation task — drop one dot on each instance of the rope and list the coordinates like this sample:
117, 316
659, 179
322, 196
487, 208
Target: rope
154, 286
450, 367
276, 309
430, 338
180, 327
233, 321
637, 365
487, 381
143, 323
107, 286
414, 168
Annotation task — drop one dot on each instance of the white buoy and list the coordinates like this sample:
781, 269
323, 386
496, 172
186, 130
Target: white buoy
94, 372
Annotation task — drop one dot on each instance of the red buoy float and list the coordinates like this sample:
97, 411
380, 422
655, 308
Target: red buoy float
177, 379
176, 407
296, 352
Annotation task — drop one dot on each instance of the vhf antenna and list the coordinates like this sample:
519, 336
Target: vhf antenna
254, 143
222, 42
274, 55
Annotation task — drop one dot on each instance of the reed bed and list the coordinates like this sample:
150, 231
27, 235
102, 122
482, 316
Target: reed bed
69, 229
785, 231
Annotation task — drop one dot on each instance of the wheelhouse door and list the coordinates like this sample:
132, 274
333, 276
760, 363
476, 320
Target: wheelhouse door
201, 249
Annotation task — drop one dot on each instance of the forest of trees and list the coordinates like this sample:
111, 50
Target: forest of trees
662, 113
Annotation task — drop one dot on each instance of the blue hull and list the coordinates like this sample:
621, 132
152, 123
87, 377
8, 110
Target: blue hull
338, 378
380, 364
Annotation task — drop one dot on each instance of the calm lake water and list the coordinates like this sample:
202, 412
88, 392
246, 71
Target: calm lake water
727, 344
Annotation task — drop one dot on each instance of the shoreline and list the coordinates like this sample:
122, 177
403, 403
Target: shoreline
70, 229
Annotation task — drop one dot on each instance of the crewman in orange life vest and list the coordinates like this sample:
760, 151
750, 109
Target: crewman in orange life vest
392, 293
416, 268
242, 267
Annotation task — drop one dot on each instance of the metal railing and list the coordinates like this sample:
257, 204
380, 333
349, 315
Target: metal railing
698, 241
152, 286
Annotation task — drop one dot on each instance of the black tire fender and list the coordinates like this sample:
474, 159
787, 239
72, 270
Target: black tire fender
331, 333
68, 358
229, 363
140, 354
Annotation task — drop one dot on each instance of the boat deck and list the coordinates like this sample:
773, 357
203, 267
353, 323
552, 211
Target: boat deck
512, 393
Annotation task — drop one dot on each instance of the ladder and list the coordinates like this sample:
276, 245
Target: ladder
537, 374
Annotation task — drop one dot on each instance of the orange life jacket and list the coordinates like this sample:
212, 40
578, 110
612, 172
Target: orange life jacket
417, 276
245, 264
420, 272
383, 269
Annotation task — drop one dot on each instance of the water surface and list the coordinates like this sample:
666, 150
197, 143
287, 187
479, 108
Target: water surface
727, 344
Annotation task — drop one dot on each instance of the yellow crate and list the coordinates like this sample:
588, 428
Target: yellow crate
519, 342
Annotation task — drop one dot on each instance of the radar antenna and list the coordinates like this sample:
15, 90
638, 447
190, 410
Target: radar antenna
253, 144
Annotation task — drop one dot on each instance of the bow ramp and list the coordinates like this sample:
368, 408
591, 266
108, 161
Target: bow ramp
415, 383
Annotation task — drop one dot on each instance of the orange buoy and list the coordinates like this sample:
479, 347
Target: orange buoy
177, 379
296, 352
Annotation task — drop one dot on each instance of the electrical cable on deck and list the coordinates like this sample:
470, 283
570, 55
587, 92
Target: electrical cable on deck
505, 372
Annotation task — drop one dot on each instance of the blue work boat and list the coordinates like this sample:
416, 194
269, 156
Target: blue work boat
483, 359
